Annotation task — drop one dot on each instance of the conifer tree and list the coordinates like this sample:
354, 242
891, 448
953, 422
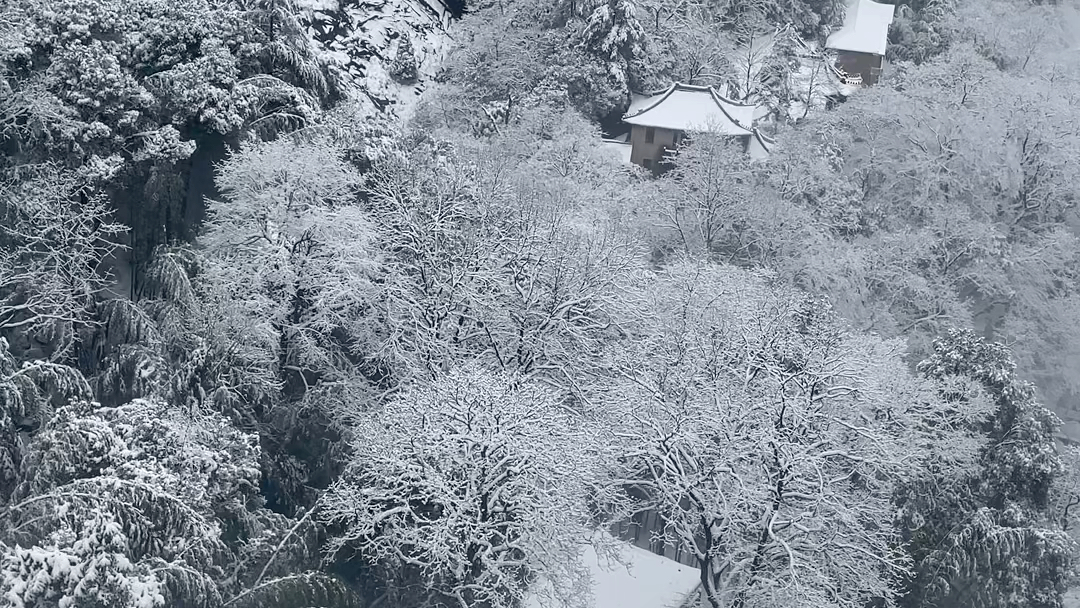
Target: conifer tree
985, 535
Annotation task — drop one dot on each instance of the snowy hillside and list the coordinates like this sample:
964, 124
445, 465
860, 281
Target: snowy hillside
361, 38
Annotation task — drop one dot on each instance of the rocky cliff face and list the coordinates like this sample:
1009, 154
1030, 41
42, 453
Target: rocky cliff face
365, 42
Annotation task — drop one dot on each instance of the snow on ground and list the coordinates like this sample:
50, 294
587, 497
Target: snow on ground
318, 5
619, 149
1072, 598
359, 38
815, 80
647, 580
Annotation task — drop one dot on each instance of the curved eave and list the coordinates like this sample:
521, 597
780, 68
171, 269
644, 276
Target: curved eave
766, 141
638, 118
667, 93
855, 48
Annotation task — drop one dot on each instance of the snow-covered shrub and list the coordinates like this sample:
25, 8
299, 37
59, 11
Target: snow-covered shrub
125, 507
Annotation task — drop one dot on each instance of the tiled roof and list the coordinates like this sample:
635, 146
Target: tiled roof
683, 107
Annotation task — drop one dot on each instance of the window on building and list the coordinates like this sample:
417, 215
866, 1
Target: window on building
647, 163
650, 135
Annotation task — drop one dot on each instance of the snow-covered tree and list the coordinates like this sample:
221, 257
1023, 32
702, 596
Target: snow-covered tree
709, 206
134, 87
28, 392
290, 259
473, 487
111, 77
403, 67
521, 55
508, 250
613, 32
288, 305
936, 226
767, 437
55, 231
119, 507
685, 46
985, 535
143, 505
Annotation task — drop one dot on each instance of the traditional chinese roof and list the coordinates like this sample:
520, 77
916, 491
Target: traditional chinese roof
683, 107
866, 28
760, 145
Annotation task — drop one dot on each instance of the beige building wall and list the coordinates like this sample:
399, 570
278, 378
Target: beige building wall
663, 140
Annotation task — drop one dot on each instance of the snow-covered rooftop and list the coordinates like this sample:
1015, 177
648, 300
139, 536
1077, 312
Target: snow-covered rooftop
652, 581
684, 107
866, 28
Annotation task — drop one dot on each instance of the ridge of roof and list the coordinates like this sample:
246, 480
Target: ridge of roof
654, 93
721, 100
717, 98
730, 101
667, 93
678, 86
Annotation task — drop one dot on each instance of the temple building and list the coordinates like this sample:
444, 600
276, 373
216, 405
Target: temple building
659, 121
860, 43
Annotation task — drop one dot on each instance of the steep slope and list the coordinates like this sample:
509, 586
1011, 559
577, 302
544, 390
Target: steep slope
361, 39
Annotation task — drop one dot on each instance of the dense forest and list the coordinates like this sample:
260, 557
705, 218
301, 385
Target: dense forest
270, 337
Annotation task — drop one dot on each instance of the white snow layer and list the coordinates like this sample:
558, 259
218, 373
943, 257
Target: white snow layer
619, 149
692, 108
866, 28
359, 39
647, 580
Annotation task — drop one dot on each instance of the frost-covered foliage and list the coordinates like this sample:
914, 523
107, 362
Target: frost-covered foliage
766, 436
289, 308
475, 485
28, 394
613, 32
710, 206
510, 250
761, 52
290, 260
946, 203
459, 315
124, 507
919, 34
143, 505
988, 536
523, 55
55, 231
136, 78
126, 91
685, 48
403, 68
